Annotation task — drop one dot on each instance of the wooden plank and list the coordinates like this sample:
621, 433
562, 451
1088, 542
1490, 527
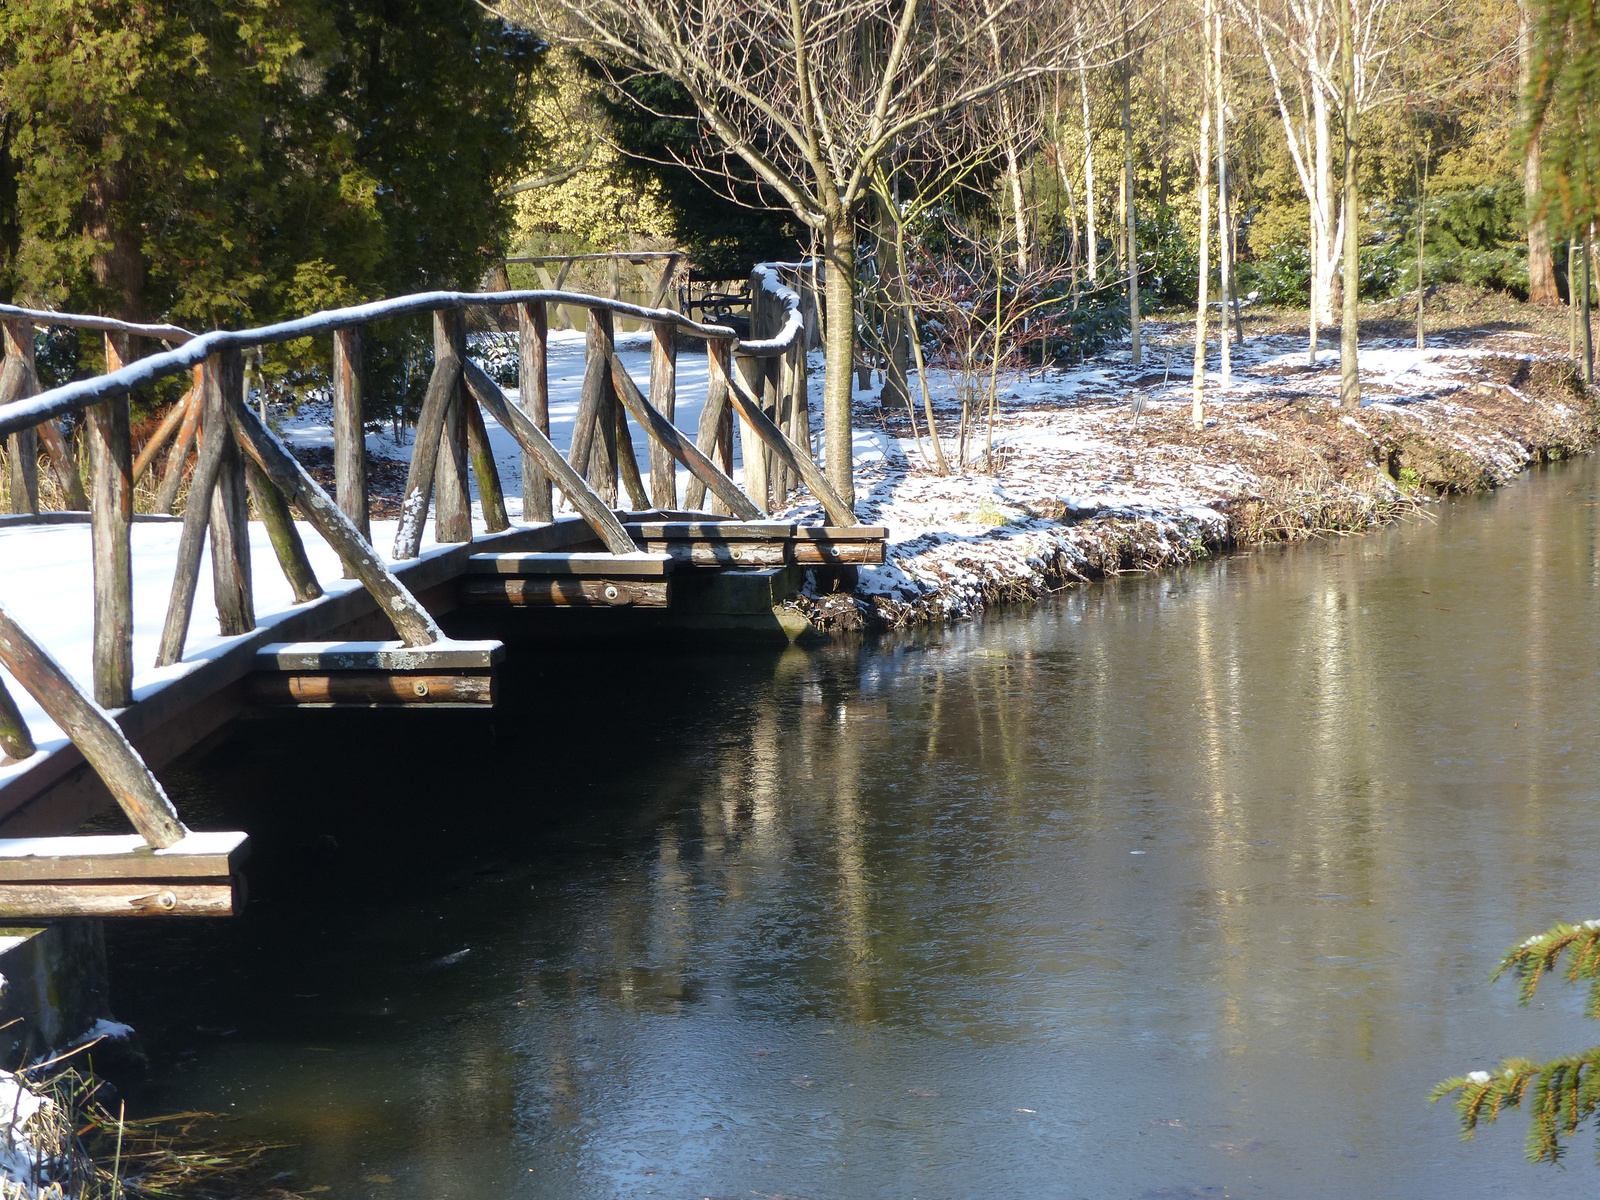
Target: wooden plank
664, 399
490, 493
533, 395
106, 856
725, 530
411, 621
111, 543
592, 564
533, 440
425, 448
151, 898
371, 689
197, 512
328, 657
349, 430
232, 586
452, 502
562, 592
98, 738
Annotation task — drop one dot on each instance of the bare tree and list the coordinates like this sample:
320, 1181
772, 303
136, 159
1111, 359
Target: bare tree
810, 94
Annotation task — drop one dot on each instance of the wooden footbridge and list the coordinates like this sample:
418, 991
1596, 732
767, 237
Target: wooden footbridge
364, 629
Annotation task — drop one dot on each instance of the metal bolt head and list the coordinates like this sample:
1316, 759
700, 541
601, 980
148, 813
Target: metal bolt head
420, 688
167, 901
611, 592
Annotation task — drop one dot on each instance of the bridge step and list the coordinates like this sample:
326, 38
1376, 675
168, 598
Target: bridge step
590, 565
567, 580
761, 543
119, 875
446, 674
379, 656
563, 591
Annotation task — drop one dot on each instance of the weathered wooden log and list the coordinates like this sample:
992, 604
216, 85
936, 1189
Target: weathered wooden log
162, 435
452, 501
326, 658
664, 399
708, 434
349, 430
534, 442
490, 492
370, 689
98, 738
679, 449
591, 395
283, 534
102, 898
411, 621
197, 513
121, 856
22, 447
586, 564
628, 462
231, 583
533, 394
16, 739
798, 460
188, 432
555, 591
111, 546
603, 465
64, 464
442, 386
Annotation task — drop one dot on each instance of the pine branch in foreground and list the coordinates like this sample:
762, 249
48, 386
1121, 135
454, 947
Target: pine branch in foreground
1561, 1094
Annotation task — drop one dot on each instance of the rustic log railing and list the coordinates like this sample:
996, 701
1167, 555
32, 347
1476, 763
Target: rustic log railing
241, 461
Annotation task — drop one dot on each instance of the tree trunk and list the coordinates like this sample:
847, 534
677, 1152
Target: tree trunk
896, 344
1131, 230
839, 353
1349, 333
1091, 238
1327, 249
1541, 260
1204, 280
1224, 249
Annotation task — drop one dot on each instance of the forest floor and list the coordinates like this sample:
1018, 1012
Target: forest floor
1074, 486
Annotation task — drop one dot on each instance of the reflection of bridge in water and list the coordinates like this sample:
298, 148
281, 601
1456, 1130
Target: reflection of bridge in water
114, 663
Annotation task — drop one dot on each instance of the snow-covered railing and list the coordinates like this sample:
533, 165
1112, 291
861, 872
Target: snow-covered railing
240, 457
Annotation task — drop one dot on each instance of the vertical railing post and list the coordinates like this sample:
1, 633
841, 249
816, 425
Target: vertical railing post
22, 447
664, 399
110, 540
230, 508
452, 502
594, 432
349, 431
715, 434
533, 395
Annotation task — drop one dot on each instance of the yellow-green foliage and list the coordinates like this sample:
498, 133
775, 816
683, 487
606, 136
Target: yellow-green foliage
602, 206
1564, 1091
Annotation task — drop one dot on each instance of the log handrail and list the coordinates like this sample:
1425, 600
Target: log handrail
70, 397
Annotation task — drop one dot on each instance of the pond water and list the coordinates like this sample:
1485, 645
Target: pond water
1184, 885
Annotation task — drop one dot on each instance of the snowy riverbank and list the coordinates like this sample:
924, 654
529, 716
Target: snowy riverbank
1078, 489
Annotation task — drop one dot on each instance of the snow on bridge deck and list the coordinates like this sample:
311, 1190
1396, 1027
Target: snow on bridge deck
45, 573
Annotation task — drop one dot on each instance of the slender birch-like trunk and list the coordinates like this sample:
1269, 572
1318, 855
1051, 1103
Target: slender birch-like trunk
1091, 238
1224, 248
1350, 331
1198, 414
1131, 229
